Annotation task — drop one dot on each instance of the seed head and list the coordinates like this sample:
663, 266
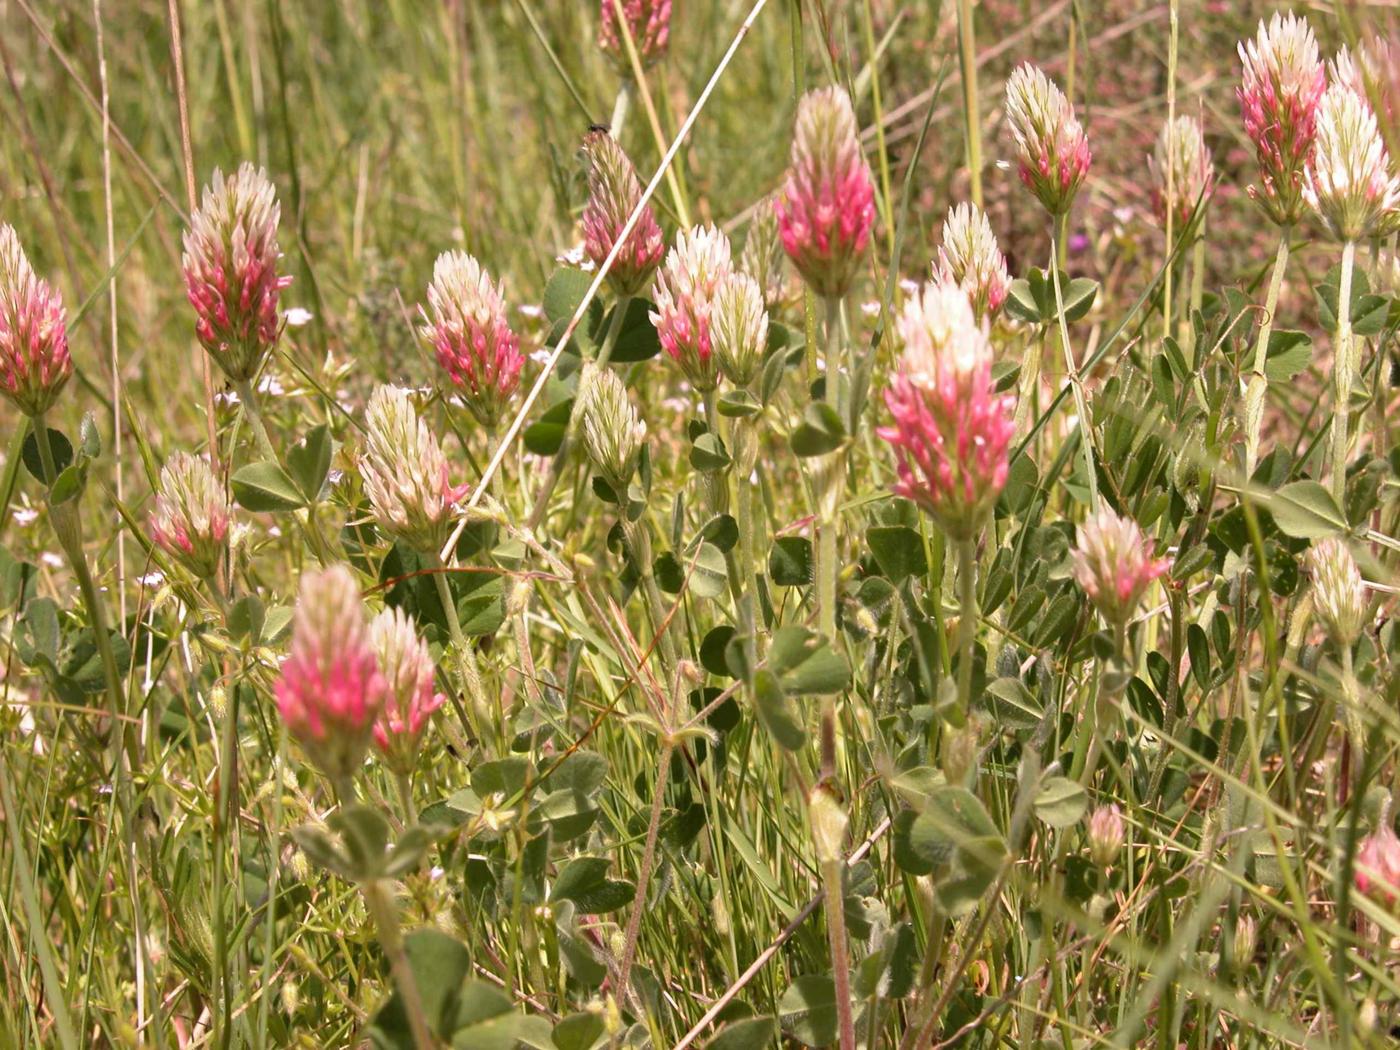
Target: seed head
465, 321
191, 519
951, 431
1114, 565
230, 265
1339, 596
1106, 834
331, 689
1279, 97
971, 257
1181, 158
613, 194
34, 361
613, 434
1052, 150
405, 472
1349, 183
763, 258
826, 207
407, 668
740, 329
685, 292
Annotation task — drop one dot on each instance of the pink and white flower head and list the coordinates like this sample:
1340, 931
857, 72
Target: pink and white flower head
613, 434
1372, 70
1283, 83
613, 195
192, 515
740, 329
685, 290
1114, 565
34, 361
465, 321
1339, 594
951, 431
826, 207
405, 472
1349, 183
971, 257
230, 265
1377, 868
331, 689
1182, 172
1052, 149
647, 21
408, 670
1106, 835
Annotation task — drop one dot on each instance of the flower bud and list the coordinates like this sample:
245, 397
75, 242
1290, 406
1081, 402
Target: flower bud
1378, 866
1052, 150
826, 207
1339, 596
1113, 564
1372, 70
970, 257
1349, 183
407, 668
951, 432
763, 258
829, 822
685, 292
1106, 834
465, 322
1279, 96
34, 361
739, 329
613, 195
331, 689
648, 22
230, 266
191, 519
1182, 172
1246, 942
613, 435
405, 472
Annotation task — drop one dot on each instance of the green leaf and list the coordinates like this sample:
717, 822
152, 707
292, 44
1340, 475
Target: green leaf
1306, 510
568, 814
246, 619
776, 714
790, 561
899, 550
820, 432
545, 436
584, 880
709, 576
309, 462
738, 404
69, 485
1289, 353
89, 437
262, 487
59, 444
1020, 302
1060, 802
751, 1033
504, 776
583, 771
806, 664
638, 340
708, 454
1078, 296
1012, 704
578, 1031
564, 291
807, 1010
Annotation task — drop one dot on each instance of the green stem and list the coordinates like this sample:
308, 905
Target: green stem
972, 125
13, 456
621, 105
1258, 382
743, 438
386, 922
466, 658
248, 402
639, 543
639, 903
224, 821
835, 902
1343, 368
967, 623
828, 482
1086, 427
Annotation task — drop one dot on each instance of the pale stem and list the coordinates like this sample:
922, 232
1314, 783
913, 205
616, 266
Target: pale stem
1081, 406
1343, 368
386, 922
1258, 382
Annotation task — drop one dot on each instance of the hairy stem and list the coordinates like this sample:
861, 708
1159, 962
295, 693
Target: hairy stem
639, 903
1081, 406
1258, 382
1343, 368
386, 922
